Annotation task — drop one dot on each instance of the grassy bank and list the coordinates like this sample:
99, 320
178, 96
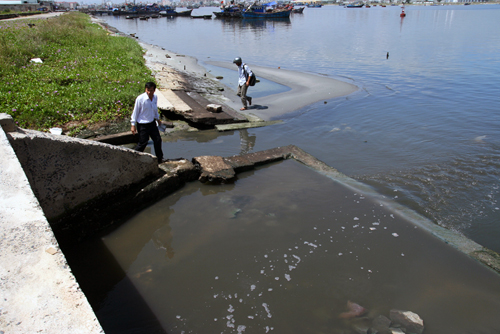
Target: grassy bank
87, 75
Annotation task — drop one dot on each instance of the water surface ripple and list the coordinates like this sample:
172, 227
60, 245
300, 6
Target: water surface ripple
424, 126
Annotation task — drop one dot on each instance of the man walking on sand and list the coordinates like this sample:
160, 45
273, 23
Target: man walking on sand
144, 120
244, 74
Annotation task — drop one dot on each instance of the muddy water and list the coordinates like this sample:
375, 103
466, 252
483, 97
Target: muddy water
424, 125
282, 250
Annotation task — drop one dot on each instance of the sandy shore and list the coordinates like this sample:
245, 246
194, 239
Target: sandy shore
306, 88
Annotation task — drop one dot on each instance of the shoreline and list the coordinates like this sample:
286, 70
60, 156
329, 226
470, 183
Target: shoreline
305, 88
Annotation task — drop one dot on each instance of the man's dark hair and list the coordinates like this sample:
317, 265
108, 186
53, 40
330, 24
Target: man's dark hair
150, 85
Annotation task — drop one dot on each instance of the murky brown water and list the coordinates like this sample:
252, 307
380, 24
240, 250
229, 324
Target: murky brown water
282, 250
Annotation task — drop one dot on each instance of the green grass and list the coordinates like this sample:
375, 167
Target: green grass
87, 75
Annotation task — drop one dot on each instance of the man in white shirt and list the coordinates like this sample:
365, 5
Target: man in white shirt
244, 74
144, 120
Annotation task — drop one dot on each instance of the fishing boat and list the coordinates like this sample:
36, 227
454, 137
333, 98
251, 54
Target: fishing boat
184, 13
298, 10
314, 5
355, 5
229, 12
266, 15
201, 16
174, 13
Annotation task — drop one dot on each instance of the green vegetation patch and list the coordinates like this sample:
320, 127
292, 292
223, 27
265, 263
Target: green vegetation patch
86, 75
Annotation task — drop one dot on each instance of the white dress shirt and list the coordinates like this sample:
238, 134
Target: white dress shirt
242, 78
145, 110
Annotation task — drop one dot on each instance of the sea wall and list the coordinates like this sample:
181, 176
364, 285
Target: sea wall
39, 292
66, 172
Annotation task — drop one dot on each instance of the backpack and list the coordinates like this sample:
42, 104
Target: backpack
253, 78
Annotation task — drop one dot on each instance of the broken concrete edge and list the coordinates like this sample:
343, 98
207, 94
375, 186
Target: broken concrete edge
65, 172
98, 213
112, 208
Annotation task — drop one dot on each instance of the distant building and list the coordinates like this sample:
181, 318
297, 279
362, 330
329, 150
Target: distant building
66, 5
25, 5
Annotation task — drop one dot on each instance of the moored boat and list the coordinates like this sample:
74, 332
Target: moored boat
201, 16
233, 11
298, 10
266, 15
184, 13
355, 5
174, 13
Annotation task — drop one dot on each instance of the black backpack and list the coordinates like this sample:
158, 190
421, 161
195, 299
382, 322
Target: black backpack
253, 78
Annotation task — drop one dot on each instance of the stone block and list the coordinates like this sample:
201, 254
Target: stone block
381, 324
409, 320
184, 168
395, 331
214, 108
214, 169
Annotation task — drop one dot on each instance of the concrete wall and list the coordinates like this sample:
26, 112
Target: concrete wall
66, 172
38, 291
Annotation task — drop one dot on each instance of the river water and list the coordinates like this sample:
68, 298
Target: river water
423, 129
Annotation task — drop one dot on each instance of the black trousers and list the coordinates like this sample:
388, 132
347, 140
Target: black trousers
146, 130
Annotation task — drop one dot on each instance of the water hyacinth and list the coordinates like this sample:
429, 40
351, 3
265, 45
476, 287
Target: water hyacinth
80, 63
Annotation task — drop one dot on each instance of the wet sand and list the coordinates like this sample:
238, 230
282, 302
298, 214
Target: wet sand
306, 89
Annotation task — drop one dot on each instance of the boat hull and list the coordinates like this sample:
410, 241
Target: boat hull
256, 15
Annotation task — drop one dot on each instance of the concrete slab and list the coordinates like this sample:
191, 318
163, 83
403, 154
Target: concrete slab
178, 104
249, 125
163, 102
39, 292
199, 114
